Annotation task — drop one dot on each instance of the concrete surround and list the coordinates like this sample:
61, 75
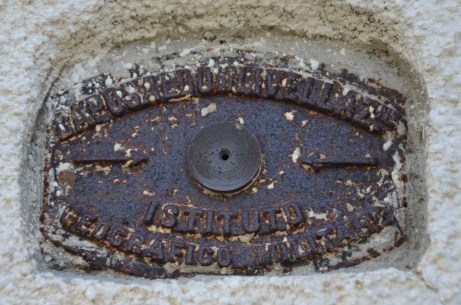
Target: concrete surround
41, 38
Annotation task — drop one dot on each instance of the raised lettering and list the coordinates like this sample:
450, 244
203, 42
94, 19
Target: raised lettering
135, 243
271, 212
69, 218
81, 117
176, 250
64, 127
97, 109
250, 226
273, 82
209, 221
151, 89
114, 102
293, 213
205, 256
156, 250
223, 80
100, 231
190, 254
249, 81
226, 216
204, 80
192, 218
321, 93
117, 236
84, 224
131, 98
289, 89
304, 91
224, 257
149, 217
279, 252
170, 213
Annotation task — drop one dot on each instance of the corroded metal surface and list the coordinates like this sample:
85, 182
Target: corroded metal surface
325, 191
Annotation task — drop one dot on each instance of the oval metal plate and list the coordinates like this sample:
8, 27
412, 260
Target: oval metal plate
120, 193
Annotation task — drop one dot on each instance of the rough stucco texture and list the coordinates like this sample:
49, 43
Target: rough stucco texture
38, 37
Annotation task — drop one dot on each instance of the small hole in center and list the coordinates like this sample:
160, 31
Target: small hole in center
224, 154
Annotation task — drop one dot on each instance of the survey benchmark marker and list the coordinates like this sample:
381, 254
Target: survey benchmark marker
225, 165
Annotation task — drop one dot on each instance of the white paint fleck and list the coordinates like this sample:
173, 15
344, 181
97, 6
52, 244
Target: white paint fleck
371, 110
311, 213
98, 127
118, 147
314, 64
185, 52
401, 129
289, 115
387, 144
64, 166
295, 155
284, 82
108, 82
209, 109
148, 193
244, 238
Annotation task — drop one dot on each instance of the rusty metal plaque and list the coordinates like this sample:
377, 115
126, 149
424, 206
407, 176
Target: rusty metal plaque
226, 165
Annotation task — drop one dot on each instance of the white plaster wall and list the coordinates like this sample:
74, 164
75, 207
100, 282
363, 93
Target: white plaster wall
38, 37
